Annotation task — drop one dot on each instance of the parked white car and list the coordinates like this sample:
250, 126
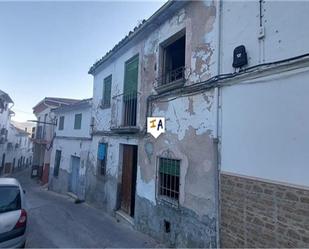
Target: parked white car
13, 216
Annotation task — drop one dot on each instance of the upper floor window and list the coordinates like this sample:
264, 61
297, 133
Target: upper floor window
61, 123
169, 175
107, 87
78, 121
130, 91
173, 59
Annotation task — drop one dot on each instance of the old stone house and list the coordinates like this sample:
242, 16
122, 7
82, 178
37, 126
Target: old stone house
70, 148
231, 81
166, 187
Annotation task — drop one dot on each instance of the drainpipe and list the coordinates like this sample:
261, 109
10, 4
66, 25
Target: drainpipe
217, 117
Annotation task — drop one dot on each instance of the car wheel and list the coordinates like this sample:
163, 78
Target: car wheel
23, 245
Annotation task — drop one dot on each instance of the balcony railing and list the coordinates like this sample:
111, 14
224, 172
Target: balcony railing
125, 110
172, 76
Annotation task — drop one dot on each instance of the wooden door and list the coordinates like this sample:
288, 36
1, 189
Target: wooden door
128, 179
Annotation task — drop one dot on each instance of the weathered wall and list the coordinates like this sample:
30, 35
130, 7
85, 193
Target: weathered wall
257, 213
191, 130
189, 137
103, 190
69, 148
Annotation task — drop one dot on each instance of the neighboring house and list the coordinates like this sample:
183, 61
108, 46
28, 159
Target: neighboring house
264, 122
167, 187
44, 135
19, 150
25, 126
231, 168
71, 147
5, 118
15, 143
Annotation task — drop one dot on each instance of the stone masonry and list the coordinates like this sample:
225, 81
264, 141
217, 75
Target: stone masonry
255, 213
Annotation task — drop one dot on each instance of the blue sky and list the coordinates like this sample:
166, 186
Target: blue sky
46, 48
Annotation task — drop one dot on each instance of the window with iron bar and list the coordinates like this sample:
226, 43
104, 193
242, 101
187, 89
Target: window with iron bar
169, 179
107, 87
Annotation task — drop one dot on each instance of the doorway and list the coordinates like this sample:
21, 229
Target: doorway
128, 184
73, 183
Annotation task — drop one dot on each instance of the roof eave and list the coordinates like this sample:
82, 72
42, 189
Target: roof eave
159, 13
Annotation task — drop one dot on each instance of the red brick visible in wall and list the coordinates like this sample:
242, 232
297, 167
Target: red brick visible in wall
255, 213
45, 174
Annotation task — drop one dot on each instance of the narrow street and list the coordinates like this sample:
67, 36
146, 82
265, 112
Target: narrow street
56, 221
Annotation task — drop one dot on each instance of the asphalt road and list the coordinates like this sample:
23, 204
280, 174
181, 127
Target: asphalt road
56, 221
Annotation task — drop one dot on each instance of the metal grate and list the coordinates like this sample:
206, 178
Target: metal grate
172, 76
169, 173
129, 109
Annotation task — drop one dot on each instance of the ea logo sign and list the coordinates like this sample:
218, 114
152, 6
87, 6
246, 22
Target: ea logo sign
155, 126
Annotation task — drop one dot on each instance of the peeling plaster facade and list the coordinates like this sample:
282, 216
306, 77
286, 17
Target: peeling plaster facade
190, 131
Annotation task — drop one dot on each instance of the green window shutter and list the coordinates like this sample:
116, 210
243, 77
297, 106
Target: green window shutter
131, 76
61, 123
107, 91
169, 166
78, 121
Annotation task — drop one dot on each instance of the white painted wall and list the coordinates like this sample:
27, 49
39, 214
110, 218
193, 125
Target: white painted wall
285, 23
69, 118
68, 148
265, 128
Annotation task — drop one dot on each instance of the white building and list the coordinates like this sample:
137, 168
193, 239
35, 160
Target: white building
44, 135
70, 149
264, 125
15, 144
5, 117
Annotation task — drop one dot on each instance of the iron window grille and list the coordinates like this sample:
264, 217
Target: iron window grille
169, 180
107, 87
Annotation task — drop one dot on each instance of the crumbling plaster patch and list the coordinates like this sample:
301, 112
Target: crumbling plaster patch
179, 115
201, 38
189, 137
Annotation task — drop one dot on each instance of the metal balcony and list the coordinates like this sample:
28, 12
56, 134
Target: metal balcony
171, 79
124, 119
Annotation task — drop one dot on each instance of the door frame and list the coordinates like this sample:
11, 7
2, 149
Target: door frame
134, 177
70, 189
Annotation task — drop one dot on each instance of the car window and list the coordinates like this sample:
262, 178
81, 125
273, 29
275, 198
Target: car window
9, 199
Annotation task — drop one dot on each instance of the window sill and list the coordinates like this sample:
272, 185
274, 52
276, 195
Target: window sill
166, 201
125, 129
170, 86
